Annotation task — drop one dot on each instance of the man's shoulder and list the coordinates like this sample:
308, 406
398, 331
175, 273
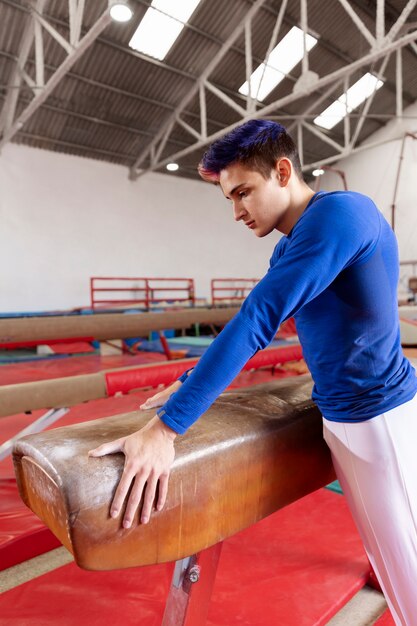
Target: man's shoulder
343, 198
339, 208
278, 250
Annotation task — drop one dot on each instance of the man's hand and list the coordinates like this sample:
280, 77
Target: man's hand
161, 397
149, 454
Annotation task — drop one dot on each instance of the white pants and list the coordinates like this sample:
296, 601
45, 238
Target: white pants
376, 464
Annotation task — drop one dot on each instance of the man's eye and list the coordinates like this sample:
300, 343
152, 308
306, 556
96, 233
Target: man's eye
242, 194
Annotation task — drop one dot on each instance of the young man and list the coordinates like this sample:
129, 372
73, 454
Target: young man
336, 271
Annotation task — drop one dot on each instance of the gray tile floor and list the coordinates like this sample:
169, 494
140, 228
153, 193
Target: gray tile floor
362, 610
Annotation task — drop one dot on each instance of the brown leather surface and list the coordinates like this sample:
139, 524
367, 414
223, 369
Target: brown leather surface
255, 451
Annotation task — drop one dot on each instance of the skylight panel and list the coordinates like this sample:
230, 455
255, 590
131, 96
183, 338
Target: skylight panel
158, 31
178, 9
355, 96
282, 59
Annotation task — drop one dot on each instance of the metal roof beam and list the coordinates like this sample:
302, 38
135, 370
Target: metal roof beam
266, 8
322, 136
330, 79
39, 99
274, 39
380, 21
97, 122
53, 32
76, 12
366, 146
39, 56
196, 87
395, 29
368, 104
10, 104
358, 22
111, 88
399, 82
224, 98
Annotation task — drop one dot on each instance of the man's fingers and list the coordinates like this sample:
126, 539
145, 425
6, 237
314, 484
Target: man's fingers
162, 491
149, 499
134, 499
107, 448
121, 492
154, 401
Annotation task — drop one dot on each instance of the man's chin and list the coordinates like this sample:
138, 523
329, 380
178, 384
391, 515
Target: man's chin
259, 232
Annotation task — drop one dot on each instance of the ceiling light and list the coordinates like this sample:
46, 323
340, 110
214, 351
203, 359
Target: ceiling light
282, 59
351, 99
172, 167
318, 172
120, 11
161, 26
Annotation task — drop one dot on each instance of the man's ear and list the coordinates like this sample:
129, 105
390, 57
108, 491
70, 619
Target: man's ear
283, 168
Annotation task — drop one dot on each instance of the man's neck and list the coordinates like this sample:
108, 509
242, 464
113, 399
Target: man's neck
301, 195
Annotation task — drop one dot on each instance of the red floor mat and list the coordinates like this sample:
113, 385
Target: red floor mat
386, 619
71, 347
15, 373
295, 568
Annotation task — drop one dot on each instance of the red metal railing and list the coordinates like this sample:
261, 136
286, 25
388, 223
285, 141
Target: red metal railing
232, 290
143, 292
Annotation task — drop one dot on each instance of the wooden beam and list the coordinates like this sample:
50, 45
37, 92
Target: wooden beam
106, 325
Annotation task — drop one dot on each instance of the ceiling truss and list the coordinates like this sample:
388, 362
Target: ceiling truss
388, 40
381, 46
36, 27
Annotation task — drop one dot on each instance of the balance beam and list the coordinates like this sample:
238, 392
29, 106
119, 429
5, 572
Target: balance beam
102, 326
254, 451
71, 390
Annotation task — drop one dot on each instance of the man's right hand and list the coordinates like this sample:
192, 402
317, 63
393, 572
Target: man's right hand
161, 397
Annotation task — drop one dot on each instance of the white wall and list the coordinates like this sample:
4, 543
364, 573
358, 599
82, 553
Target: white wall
374, 170
65, 218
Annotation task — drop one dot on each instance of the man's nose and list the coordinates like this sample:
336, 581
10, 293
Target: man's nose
238, 211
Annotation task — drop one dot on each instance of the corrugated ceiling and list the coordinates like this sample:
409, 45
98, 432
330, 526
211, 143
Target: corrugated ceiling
114, 100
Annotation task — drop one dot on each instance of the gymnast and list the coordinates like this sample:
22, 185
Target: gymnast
335, 270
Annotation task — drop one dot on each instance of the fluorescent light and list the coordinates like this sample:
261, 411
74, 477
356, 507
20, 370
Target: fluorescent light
318, 172
158, 31
354, 96
282, 59
172, 167
120, 12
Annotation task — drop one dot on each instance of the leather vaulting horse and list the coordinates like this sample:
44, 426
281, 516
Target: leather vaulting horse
254, 451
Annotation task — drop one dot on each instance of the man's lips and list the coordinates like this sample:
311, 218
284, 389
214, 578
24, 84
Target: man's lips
250, 224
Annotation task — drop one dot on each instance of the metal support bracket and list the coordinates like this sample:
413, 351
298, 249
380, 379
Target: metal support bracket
191, 588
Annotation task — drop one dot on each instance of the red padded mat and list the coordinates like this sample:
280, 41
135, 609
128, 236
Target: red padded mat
386, 619
295, 568
15, 373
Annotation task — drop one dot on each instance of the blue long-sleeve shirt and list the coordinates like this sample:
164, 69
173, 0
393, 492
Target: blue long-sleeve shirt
336, 272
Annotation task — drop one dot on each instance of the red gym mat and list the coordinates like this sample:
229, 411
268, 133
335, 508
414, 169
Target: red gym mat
386, 619
71, 347
15, 373
295, 568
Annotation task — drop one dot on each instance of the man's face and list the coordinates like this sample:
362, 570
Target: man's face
258, 202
